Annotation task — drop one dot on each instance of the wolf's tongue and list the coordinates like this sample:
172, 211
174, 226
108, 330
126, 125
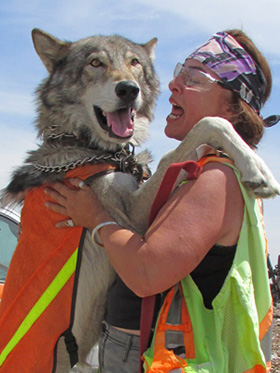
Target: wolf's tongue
121, 122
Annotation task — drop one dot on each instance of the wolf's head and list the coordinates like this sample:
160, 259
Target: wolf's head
103, 88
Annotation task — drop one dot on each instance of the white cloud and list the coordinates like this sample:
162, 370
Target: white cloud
15, 143
257, 18
71, 17
16, 103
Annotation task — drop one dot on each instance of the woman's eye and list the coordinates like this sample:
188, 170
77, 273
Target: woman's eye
195, 80
96, 63
134, 62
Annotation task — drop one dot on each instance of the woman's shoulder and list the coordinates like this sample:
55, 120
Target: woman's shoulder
221, 184
220, 172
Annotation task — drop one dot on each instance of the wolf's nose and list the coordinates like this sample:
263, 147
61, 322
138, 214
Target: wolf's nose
127, 91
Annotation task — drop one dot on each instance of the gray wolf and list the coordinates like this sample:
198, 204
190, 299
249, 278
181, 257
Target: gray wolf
95, 104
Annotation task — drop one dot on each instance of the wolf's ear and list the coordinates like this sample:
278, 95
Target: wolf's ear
150, 47
49, 49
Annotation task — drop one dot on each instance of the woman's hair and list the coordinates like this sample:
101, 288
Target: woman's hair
245, 120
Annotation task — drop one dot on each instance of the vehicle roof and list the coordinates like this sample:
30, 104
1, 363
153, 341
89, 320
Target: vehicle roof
10, 213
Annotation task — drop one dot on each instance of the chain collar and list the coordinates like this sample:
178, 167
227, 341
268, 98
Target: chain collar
124, 159
55, 136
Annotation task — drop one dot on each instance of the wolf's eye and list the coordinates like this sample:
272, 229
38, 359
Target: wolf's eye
96, 62
134, 62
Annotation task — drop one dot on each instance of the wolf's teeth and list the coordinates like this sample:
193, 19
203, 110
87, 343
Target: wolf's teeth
104, 114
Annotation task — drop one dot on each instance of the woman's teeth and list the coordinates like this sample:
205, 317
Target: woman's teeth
172, 116
176, 111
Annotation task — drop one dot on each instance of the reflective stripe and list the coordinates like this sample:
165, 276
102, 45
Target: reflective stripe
174, 339
266, 344
174, 316
174, 328
44, 301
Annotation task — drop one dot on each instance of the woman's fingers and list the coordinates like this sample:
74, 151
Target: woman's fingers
79, 204
78, 183
60, 209
68, 223
57, 193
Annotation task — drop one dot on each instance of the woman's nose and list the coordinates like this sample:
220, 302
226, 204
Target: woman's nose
176, 84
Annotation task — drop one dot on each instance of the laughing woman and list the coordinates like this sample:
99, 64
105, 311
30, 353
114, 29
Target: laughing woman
205, 250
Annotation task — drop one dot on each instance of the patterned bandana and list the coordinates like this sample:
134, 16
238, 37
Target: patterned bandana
236, 68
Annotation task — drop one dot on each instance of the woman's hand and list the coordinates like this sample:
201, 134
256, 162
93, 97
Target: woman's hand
80, 204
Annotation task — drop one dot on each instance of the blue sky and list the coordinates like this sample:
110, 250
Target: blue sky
179, 25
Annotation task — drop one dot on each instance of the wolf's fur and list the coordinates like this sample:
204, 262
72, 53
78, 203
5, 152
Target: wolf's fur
113, 74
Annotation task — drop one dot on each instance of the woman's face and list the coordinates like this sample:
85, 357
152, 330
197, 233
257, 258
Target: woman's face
190, 104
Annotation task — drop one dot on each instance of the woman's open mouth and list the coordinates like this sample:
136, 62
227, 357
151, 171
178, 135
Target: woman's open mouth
176, 111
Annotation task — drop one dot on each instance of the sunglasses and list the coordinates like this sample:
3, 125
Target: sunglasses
195, 78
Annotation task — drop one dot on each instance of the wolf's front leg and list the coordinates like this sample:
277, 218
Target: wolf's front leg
220, 134
96, 276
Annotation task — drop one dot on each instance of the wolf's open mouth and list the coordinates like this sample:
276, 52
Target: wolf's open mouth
119, 124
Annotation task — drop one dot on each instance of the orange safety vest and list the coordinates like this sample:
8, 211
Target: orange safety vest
40, 290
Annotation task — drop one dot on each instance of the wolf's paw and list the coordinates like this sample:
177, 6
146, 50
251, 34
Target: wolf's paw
263, 190
255, 174
258, 178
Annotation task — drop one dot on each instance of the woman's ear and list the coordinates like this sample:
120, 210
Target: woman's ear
228, 111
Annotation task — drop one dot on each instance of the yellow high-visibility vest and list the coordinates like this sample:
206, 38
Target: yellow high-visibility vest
233, 337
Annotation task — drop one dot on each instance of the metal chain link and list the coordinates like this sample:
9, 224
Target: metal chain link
124, 159
54, 136
72, 165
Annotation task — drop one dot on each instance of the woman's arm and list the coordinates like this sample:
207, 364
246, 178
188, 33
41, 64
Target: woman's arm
201, 213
